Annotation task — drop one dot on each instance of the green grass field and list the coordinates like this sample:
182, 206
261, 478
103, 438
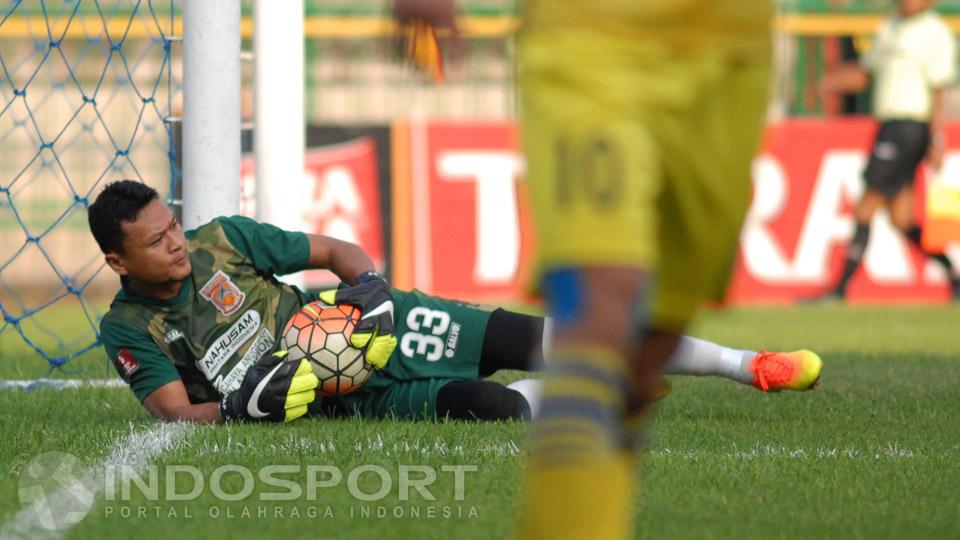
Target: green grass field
874, 452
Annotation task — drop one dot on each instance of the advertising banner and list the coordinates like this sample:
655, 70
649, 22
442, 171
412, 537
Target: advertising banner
344, 200
461, 227
459, 215
806, 183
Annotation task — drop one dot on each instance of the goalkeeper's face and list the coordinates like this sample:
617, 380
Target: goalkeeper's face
154, 247
909, 8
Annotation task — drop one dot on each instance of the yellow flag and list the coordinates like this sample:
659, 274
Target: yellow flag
423, 49
942, 223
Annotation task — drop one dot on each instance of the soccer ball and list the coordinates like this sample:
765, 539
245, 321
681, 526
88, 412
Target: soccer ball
321, 333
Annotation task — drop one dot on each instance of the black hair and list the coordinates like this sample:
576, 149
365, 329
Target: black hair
118, 202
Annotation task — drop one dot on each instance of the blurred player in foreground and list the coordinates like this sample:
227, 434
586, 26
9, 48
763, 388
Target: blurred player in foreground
912, 62
640, 120
194, 328
639, 123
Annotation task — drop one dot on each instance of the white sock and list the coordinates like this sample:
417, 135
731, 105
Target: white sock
531, 390
699, 357
693, 356
547, 335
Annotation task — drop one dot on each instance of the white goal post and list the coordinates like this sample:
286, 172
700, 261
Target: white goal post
211, 110
279, 125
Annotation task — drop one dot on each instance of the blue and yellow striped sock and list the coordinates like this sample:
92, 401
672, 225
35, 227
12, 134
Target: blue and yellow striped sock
580, 477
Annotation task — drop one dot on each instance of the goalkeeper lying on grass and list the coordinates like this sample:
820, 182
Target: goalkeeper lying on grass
194, 328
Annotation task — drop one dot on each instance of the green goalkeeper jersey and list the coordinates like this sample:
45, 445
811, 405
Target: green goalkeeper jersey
228, 312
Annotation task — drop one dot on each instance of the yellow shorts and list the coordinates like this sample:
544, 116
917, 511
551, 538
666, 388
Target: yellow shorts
640, 120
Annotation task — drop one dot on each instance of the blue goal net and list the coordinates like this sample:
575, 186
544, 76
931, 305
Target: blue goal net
87, 92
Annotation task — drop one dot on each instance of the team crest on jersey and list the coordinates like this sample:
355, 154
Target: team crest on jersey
223, 293
125, 363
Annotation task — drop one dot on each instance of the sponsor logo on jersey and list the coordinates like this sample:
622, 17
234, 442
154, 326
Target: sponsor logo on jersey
125, 363
452, 340
172, 336
228, 344
223, 293
231, 381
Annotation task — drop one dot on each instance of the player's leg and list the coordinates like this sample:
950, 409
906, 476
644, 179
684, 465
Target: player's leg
512, 341
694, 356
594, 174
581, 474
595, 169
585, 175
898, 149
867, 206
429, 399
479, 399
517, 341
901, 213
768, 371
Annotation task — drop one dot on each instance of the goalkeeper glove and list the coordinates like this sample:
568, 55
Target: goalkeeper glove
273, 389
374, 332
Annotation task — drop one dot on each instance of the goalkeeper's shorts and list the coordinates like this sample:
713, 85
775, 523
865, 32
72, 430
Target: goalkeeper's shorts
640, 120
438, 341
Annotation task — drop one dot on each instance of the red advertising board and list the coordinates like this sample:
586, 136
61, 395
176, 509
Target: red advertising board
807, 180
343, 199
461, 229
467, 237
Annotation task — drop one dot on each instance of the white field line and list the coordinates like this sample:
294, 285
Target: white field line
376, 445
135, 450
59, 384
759, 451
372, 445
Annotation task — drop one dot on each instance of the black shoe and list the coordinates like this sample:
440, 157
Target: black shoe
833, 295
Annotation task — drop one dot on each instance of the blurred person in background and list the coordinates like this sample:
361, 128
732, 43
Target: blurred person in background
911, 62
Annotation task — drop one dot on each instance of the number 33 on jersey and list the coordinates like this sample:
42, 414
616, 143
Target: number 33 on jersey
431, 330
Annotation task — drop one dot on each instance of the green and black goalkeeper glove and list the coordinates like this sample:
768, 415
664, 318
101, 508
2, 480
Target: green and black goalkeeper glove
374, 332
273, 390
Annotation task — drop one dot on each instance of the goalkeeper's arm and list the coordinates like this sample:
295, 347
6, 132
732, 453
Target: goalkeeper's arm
170, 403
367, 290
272, 390
346, 260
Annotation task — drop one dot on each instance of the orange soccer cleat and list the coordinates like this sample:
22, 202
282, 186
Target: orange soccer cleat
775, 371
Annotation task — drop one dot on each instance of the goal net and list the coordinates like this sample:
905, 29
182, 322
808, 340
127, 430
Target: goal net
86, 94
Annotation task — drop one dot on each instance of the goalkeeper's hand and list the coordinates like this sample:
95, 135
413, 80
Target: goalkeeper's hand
438, 13
374, 332
273, 389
